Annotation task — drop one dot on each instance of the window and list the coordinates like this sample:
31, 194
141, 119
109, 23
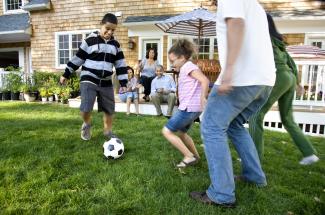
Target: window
67, 45
317, 43
12, 5
208, 48
204, 48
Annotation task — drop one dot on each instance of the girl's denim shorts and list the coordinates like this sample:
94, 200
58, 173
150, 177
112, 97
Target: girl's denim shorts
182, 120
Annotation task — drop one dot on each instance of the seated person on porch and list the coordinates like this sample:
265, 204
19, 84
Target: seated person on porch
163, 89
147, 69
131, 93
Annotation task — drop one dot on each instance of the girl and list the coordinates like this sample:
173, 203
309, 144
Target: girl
283, 93
192, 91
131, 93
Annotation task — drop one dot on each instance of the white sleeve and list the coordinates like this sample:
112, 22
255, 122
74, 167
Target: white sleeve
232, 8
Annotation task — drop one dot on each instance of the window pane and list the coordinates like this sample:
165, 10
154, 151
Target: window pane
215, 49
215, 45
74, 52
13, 4
64, 56
206, 49
64, 42
76, 41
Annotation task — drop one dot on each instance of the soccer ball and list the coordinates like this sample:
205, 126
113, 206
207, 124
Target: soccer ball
113, 148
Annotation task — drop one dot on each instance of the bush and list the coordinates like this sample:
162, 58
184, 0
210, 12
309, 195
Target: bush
14, 81
41, 78
27, 86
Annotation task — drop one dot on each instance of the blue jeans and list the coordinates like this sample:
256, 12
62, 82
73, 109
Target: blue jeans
224, 116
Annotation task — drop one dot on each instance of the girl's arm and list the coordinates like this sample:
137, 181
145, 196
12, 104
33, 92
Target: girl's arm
198, 75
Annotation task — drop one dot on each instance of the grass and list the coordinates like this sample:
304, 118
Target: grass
46, 169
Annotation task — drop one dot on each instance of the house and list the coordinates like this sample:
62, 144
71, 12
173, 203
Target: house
44, 34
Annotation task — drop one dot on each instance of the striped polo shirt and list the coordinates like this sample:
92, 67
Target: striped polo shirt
189, 89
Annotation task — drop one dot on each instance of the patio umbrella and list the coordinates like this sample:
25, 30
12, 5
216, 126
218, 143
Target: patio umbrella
305, 51
199, 22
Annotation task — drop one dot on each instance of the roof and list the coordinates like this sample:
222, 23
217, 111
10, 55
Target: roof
37, 5
14, 22
131, 19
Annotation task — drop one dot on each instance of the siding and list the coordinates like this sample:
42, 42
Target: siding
292, 4
294, 39
86, 14
1, 8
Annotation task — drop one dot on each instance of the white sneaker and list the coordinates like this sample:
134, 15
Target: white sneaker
85, 131
309, 160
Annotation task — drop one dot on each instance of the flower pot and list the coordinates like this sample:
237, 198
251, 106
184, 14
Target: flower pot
29, 97
6, 95
44, 99
21, 96
64, 101
50, 98
56, 97
14, 96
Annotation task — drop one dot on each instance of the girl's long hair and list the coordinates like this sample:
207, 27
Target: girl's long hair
272, 28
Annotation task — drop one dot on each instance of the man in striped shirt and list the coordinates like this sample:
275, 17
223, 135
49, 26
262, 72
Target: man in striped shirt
97, 55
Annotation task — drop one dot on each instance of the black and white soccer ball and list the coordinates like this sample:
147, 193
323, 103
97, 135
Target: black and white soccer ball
113, 149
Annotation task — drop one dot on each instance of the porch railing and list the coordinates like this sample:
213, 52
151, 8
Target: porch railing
312, 75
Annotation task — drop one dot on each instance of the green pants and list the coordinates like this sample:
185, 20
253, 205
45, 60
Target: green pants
283, 92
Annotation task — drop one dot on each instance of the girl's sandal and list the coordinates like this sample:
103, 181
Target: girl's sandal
184, 164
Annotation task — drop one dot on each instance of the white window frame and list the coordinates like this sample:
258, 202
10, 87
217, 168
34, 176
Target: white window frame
69, 33
160, 43
5, 11
309, 38
191, 38
21, 55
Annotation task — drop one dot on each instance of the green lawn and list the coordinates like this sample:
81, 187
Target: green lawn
45, 168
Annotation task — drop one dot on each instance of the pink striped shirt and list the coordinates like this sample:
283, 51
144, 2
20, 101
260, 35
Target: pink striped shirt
189, 89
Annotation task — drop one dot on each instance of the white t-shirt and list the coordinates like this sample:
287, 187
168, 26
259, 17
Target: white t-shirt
255, 63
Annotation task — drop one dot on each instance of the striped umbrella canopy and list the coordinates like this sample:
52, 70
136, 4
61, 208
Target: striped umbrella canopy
199, 22
305, 51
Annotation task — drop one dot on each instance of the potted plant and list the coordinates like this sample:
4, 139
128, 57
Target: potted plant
6, 94
1, 93
57, 92
50, 94
29, 90
65, 94
13, 80
43, 93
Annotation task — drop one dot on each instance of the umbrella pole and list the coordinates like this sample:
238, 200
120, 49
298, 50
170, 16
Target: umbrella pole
199, 38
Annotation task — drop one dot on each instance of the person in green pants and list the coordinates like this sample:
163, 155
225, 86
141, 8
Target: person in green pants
283, 92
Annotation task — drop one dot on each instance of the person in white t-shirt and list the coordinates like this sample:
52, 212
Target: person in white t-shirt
245, 82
